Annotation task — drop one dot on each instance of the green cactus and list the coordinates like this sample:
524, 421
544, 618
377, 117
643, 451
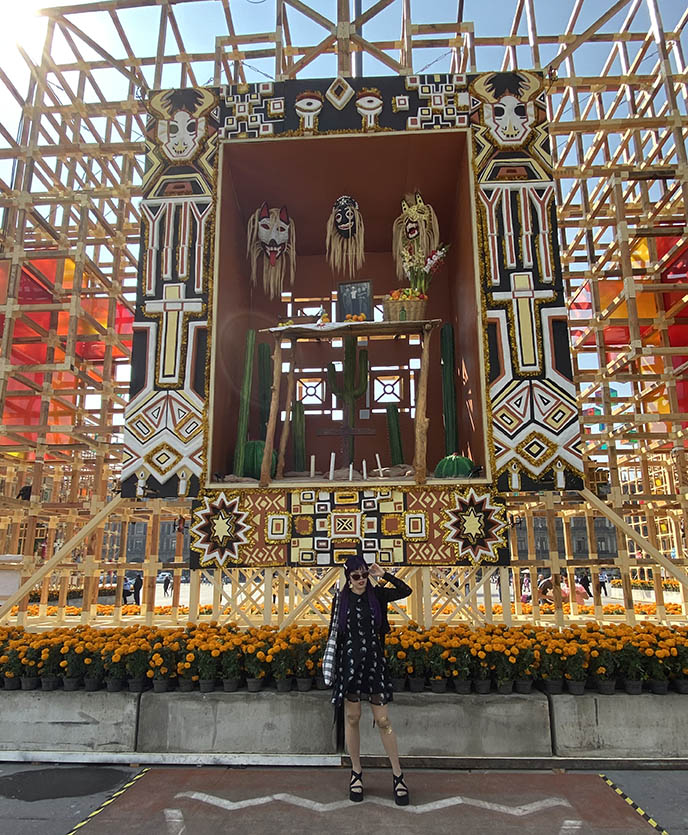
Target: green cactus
244, 404
349, 391
454, 466
253, 459
394, 434
298, 425
264, 385
451, 434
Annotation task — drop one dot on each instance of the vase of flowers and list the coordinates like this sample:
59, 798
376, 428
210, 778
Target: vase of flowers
410, 303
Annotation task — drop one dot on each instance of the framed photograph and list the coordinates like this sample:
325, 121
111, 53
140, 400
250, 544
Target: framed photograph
355, 297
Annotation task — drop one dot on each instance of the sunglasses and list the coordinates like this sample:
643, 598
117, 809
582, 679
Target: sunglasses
358, 575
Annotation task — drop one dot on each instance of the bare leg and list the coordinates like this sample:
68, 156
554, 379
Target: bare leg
352, 732
387, 735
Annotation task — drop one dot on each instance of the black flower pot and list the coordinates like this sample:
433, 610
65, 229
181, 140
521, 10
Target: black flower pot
681, 685
230, 685
185, 685
254, 685
659, 686
438, 685
303, 685
606, 686
30, 682
206, 685
633, 687
523, 685
49, 683
482, 685
554, 686
161, 685
71, 684
92, 684
575, 688
283, 685
505, 688
399, 685
12, 684
114, 685
320, 683
136, 685
416, 684
462, 686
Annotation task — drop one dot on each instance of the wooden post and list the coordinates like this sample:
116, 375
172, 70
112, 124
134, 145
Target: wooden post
422, 421
284, 437
274, 408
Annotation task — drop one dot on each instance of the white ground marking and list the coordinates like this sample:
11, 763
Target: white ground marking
570, 827
175, 822
420, 809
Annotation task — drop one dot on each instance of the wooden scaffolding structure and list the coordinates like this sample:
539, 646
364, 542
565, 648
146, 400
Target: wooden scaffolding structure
69, 206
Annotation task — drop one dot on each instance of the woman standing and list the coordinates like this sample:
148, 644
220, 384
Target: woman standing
360, 668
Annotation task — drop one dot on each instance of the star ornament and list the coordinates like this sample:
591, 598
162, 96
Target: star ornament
221, 528
475, 527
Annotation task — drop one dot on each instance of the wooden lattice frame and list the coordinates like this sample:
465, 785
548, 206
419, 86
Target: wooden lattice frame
618, 93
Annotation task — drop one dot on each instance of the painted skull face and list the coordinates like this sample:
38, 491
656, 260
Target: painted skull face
509, 119
345, 216
181, 135
273, 232
413, 216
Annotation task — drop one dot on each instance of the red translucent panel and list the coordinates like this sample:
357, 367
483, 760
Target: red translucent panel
4, 278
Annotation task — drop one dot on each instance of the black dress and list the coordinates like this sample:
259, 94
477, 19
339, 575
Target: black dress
360, 669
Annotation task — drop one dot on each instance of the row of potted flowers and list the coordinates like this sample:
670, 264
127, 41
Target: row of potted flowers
132, 610
509, 658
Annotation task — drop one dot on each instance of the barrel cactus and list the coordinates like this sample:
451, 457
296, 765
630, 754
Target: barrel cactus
454, 466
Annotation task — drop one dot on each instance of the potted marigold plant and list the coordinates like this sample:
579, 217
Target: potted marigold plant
680, 675
575, 669
161, 667
73, 667
187, 670
437, 663
114, 666
656, 665
603, 665
303, 663
279, 657
551, 666
135, 655
525, 664
94, 668
480, 669
256, 665
396, 664
459, 668
49, 663
632, 662
231, 663
11, 666
208, 665
30, 655
418, 666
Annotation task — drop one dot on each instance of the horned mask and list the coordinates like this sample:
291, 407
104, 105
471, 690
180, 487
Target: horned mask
182, 124
416, 228
508, 109
271, 245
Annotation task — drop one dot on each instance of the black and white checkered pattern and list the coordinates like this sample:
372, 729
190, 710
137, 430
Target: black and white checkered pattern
329, 656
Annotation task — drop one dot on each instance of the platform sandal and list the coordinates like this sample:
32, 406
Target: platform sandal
401, 793
356, 786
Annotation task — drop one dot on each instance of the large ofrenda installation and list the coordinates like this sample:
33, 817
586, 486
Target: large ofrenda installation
280, 375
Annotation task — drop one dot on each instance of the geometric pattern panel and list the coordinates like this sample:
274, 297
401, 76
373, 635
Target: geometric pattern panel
320, 528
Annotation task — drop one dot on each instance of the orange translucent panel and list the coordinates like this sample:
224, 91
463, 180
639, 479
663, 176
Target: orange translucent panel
4, 279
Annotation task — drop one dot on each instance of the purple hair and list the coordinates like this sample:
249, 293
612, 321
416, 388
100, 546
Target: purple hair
357, 563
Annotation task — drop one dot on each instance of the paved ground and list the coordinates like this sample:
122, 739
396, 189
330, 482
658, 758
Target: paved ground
52, 800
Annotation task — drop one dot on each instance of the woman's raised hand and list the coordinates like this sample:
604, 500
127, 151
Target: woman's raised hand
376, 571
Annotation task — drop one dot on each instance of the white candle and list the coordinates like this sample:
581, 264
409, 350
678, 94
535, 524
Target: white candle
365, 470
312, 466
332, 466
379, 465
351, 472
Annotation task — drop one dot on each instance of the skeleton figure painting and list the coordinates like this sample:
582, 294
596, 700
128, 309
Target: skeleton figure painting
415, 229
271, 238
509, 110
345, 237
182, 124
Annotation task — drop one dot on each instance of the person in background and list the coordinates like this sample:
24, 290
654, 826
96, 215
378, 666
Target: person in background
138, 582
126, 591
166, 585
604, 579
584, 580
